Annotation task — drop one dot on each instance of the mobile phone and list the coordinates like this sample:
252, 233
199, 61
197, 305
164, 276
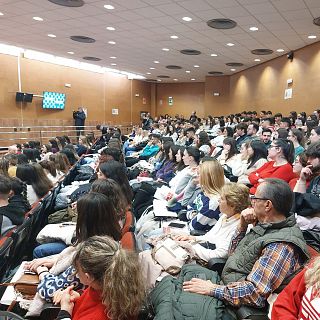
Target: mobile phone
29, 272
176, 225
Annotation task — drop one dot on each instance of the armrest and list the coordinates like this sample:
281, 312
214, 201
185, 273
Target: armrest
247, 312
217, 264
197, 232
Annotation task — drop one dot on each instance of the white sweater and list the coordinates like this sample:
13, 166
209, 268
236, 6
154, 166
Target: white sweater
220, 235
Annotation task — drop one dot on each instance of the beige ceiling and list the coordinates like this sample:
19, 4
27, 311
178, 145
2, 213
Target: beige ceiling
144, 27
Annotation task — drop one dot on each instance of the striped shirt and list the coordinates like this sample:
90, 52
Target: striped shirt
310, 305
277, 262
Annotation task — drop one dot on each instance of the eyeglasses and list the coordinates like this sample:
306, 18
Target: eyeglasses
254, 198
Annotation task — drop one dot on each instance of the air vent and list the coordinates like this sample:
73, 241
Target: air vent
173, 67
151, 80
190, 52
234, 64
262, 52
215, 73
316, 21
68, 3
221, 23
82, 39
91, 58
163, 77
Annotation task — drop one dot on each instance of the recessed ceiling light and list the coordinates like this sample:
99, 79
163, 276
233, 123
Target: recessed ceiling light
187, 71
156, 61
37, 18
257, 60
175, 79
70, 52
111, 42
165, 49
230, 44
52, 35
280, 50
113, 64
186, 19
159, 80
232, 69
148, 72
1, 14
113, 57
196, 66
110, 28
192, 79
152, 68
312, 37
253, 29
174, 37
108, 7
213, 55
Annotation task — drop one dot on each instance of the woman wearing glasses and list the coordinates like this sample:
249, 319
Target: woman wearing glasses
281, 156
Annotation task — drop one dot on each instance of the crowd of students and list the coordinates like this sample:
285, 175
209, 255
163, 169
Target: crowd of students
245, 187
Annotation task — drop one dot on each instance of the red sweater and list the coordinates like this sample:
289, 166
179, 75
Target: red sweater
283, 172
89, 307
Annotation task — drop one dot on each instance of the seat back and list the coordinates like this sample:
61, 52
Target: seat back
5, 247
128, 241
129, 223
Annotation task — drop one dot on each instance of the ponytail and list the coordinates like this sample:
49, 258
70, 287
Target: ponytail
287, 149
117, 271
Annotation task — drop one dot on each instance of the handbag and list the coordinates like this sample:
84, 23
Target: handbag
170, 256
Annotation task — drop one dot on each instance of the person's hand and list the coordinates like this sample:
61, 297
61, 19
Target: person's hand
35, 263
169, 196
200, 286
68, 298
57, 296
247, 217
306, 172
74, 205
183, 238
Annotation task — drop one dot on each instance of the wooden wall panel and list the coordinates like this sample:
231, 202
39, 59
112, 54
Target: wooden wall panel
187, 97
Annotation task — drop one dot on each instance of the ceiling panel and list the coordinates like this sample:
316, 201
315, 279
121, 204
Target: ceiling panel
144, 27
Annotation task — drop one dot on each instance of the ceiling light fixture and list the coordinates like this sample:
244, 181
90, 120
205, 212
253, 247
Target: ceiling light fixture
186, 19
192, 79
1, 14
159, 80
312, 37
280, 50
113, 64
232, 69
175, 79
174, 37
52, 35
152, 68
148, 72
110, 28
156, 61
188, 71
196, 66
108, 7
230, 44
257, 60
213, 55
37, 18
70, 52
165, 49
111, 42
113, 57
253, 29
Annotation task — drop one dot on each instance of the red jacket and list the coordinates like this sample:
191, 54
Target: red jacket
284, 172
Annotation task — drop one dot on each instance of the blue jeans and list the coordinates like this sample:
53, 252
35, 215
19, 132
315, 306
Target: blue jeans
48, 249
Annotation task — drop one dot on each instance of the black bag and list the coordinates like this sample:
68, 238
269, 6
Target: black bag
228, 174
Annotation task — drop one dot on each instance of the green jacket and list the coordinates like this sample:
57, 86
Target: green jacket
240, 263
172, 303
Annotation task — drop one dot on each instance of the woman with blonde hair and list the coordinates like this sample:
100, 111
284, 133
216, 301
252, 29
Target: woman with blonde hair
300, 299
215, 243
115, 284
204, 211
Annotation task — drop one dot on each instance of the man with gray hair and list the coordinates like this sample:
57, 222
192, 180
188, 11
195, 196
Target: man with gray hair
263, 258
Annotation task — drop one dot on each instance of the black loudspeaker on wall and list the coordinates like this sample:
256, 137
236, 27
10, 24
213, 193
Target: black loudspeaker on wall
24, 97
